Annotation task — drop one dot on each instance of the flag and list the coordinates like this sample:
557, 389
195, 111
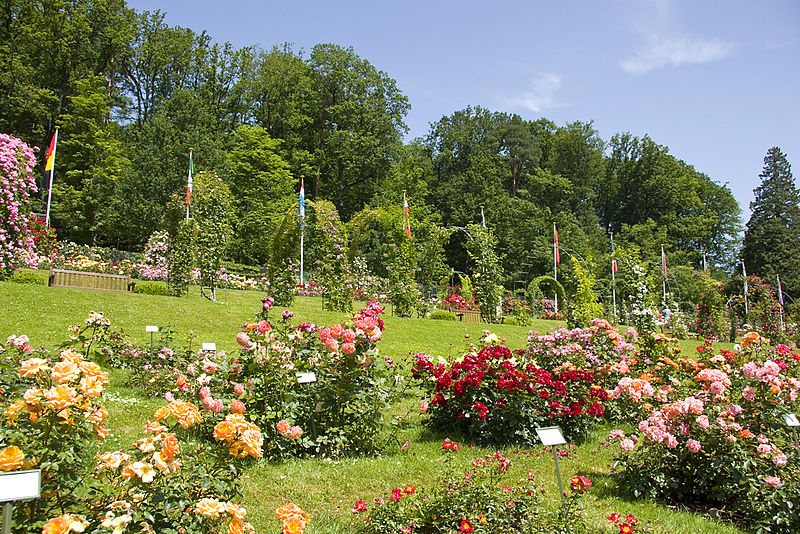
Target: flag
407, 220
613, 256
555, 245
744, 274
49, 166
189, 183
663, 262
302, 203
780, 291
50, 158
483, 219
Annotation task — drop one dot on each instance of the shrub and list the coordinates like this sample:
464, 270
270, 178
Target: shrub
443, 315
17, 186
713, 432
485, 495
28, 277
152, 288
494, 397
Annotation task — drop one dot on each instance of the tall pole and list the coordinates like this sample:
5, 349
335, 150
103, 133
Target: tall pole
613, 276
52, 172
744, 275
664, 269
780, 298
705, 265
189, 183
555, 264
302, 214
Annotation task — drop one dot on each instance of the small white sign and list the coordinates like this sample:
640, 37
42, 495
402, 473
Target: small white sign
151, 328
210, 347
18, 485
305, 378
551, 435
790, 419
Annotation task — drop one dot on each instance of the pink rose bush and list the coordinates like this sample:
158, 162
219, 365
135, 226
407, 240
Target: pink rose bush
713, 430
17, 186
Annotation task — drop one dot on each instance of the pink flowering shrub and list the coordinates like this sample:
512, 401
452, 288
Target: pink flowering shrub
16, 187
496, 397
713, 431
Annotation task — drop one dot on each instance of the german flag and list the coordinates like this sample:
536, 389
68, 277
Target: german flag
50, 160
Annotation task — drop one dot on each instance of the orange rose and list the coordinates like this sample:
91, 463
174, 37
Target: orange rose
209, 507
65, 372
169, 446
60, 397
92, 386
65, 524
11, 458
284, 427
32, 367
224, 431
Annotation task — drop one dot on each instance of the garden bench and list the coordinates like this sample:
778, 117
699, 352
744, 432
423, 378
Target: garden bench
86, 280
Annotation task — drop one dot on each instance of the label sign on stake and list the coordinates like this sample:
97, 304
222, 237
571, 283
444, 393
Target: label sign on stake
790, 419
210, 347
151, 328
552, 436
306, 378
19, 485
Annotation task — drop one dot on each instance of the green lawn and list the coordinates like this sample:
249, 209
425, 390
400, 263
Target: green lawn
327, 489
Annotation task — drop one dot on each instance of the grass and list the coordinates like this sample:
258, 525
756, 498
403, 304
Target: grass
325, 488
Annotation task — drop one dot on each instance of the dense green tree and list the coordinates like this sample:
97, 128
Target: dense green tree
212, 209
358, 122
773, 231
263, 190
89, 153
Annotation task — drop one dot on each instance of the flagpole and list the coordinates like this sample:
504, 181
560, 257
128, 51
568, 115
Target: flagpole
189, 184
744, 275
555, 265
664, 269
705, 266
302, 223
780, 298
483, 219
613, 276
52, 172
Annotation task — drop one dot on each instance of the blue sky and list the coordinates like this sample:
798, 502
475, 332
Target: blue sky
715, 81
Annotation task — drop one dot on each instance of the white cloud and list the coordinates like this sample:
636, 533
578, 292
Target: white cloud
675, 51
541, 96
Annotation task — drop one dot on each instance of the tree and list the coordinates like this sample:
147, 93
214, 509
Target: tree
358, 125
90, 154
773, 231
212, 208
263, 190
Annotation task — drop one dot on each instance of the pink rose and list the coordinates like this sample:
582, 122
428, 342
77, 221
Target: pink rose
423, 407
243, 339
263, 326
773, 481
217, 406
749, 393
626, 444
205, 392
693, 445
348, 348
331, 345
238, 389
295, 432
168, 396
348, 336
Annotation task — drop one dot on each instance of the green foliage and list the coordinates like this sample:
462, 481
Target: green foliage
263, 189
487, 273
212, 208
180, 254
769, 248
89, 154
27, 277
710, 322
285, 248
583, 305
152, 288
442, 315
332, 267
480, 497
403, 291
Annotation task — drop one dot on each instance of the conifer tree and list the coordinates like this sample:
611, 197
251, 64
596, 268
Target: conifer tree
773, 231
